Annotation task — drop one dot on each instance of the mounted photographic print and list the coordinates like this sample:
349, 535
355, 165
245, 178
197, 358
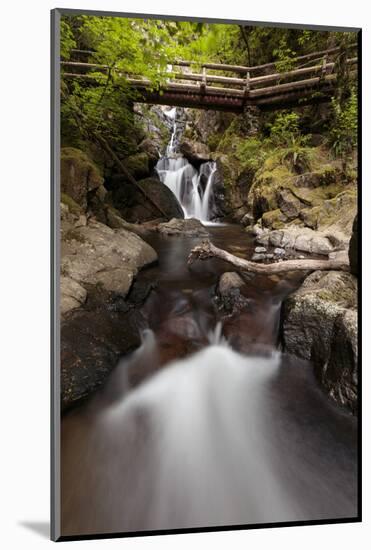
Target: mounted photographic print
205, 194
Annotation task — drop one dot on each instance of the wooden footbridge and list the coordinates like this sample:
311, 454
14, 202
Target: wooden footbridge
310, 80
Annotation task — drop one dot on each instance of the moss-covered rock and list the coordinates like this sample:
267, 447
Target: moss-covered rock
274, 219
138, 165
79, 175
320, 325
155, 201
337, 212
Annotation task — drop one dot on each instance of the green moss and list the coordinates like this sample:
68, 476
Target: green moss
338, 210
213, 141
340, 295
138, 165
274, 219
73, 207
84, 170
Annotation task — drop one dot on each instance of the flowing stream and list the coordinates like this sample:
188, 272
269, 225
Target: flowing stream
207, 423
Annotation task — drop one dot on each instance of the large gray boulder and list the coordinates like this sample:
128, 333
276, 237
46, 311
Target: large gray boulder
195, 152
92, 340
99, 300
93, 254
156, 200
301, 239
319, 323
190, 227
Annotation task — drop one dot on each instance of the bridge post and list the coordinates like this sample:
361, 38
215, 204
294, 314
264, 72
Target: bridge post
324, 66
247, 86
203, 82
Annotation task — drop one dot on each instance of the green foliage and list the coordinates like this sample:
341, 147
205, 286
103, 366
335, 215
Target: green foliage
297, 158
284, 131
144, 48
251, 153
67, 41
343, 131
285, 56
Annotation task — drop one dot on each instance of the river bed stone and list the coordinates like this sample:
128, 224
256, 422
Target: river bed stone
319, 323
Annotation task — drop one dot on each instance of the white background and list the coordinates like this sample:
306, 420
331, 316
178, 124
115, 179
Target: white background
24, 252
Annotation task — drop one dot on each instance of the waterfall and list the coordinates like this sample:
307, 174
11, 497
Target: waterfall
193, 188
208, 437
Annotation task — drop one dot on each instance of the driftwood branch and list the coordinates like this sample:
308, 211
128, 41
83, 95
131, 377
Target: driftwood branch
207, 250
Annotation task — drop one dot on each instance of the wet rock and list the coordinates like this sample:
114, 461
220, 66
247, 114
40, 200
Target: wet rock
195, 152
289, 205
319, 323
190, 227
98, 255
302, 239
73, 295
247, 220
152, 148
240, 213
91, 343
156, 200
279, 252
229, 297
138, 165
263, 239
258, 257
229, 281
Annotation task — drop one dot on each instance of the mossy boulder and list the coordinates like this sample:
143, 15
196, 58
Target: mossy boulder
138, 165
152, 148
289, 205
319, 199
274, 219
237, 180
337, 212
155, 201
80, 177
319, 323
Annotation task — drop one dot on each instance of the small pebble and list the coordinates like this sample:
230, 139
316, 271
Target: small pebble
258, 257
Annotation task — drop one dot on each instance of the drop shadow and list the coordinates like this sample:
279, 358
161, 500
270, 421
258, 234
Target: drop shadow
41, 528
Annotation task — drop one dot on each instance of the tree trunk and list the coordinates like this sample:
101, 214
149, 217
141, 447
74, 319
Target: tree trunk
207, 250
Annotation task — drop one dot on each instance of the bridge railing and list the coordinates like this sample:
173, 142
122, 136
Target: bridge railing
214, 78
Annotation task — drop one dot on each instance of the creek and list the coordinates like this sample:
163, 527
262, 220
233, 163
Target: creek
207, 423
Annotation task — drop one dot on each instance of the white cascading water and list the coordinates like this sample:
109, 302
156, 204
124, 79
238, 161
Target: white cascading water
195, 197
207, 438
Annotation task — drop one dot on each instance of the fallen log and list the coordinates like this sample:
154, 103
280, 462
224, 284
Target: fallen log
207, 250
